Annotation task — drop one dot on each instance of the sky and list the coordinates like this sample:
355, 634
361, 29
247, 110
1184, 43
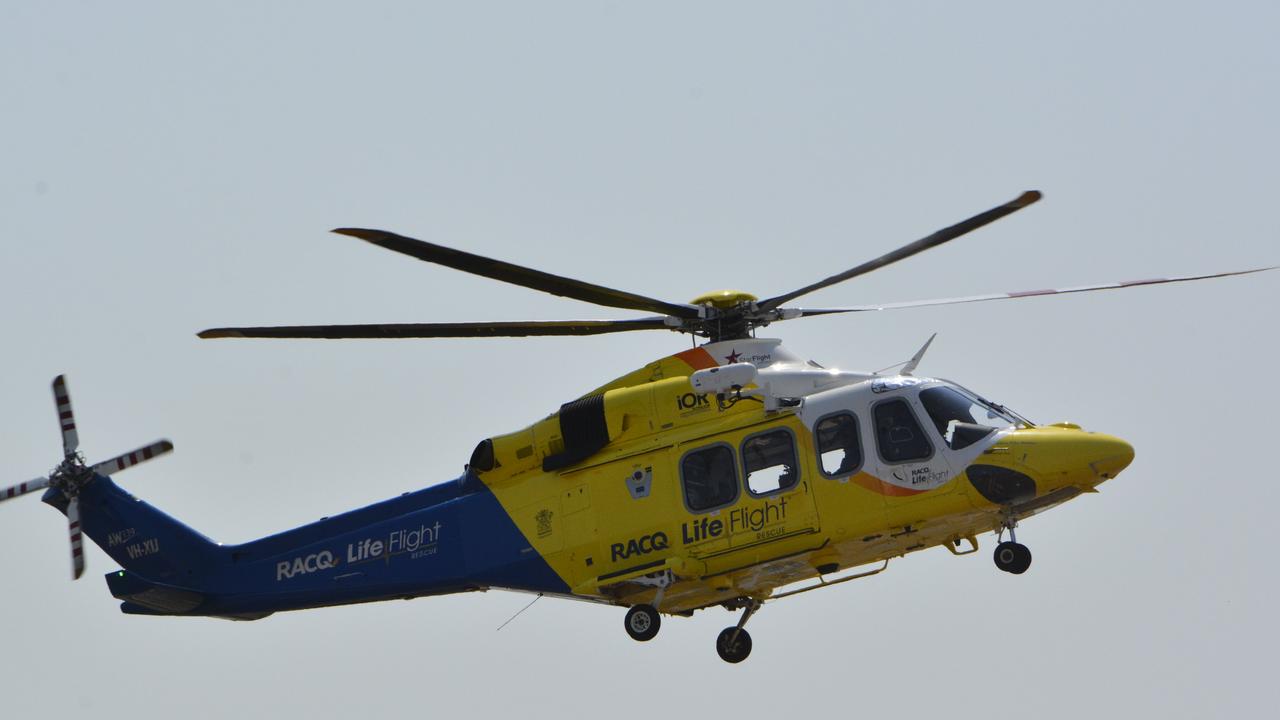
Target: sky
167, 167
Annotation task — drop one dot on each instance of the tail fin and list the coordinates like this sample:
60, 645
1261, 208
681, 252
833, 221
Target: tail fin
141, 538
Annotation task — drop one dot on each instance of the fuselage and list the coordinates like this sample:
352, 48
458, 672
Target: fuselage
647, 491
732, 499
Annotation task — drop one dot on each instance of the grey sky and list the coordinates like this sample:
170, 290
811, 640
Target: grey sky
168, 167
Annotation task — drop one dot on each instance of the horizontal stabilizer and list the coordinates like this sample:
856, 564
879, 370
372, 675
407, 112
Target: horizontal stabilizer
153, 598
129, 608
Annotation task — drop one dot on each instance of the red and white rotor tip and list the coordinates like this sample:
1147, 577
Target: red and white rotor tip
129, 459
67, 419
24, 488
77, 538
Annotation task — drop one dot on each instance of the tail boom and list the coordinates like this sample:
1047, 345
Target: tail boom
449, 538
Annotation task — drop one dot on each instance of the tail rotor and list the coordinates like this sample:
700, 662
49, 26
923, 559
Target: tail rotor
72, 475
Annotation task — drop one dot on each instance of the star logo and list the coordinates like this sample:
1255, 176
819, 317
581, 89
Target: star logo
733, 356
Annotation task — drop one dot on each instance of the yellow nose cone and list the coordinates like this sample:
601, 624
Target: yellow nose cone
1063, 454
1113, 455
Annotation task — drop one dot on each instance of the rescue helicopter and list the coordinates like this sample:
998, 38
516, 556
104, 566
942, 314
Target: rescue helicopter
726, 475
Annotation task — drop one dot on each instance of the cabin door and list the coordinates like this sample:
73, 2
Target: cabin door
749, 503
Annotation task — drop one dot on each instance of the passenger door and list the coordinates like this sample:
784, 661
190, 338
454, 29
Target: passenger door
749, 501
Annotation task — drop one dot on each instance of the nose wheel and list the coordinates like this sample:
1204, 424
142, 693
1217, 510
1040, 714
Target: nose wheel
1012, 556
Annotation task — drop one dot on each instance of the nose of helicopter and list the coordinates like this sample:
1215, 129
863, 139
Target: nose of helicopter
1066, 455
1111, 455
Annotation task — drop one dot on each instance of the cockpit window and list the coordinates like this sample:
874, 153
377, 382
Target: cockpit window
839, 450
962, 420
898, 433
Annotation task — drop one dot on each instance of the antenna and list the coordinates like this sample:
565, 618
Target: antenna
915, 359
526, 607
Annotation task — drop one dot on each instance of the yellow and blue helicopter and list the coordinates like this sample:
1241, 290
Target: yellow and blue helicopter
730, 474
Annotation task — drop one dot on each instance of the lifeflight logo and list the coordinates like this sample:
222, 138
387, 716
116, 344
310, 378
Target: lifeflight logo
753, 519
417, 542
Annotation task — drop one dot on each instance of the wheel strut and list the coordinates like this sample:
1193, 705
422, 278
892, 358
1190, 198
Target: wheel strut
643, 621
734, 643
1012, 556
751, 607
1009, 522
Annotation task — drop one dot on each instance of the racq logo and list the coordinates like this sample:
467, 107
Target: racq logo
642, 545
305, 565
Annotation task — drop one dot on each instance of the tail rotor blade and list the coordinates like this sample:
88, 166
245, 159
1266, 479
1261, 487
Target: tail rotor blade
128, 460
70, 438
24, 488
77, 540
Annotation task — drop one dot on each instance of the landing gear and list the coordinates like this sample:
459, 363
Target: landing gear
734, 643
642, 622
1012, 556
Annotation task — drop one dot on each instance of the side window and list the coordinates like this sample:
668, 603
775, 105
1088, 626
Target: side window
839, 449
769, 459
710, 478
898, 434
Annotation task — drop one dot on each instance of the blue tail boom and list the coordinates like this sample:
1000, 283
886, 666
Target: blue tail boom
448, 538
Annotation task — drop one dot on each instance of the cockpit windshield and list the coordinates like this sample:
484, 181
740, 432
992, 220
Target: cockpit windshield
963, 418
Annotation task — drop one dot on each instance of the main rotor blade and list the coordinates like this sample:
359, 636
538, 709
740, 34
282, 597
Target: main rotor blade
129, 459
70, 438
906, 251
24, 488
444, 330
77, 538
517, 274
1028, 293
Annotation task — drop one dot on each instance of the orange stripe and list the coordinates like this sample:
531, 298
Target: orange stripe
876, 485
697, 358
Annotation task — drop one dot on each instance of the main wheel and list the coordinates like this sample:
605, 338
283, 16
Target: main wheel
1013, 557
642, 622
731, 650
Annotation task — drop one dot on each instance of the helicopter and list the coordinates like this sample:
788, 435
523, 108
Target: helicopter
727, 475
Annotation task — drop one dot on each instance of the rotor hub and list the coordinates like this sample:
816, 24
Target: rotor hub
70, 475
724, 299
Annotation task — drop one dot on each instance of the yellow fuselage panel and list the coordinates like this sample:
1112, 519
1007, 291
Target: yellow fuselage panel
641, 416
621, 513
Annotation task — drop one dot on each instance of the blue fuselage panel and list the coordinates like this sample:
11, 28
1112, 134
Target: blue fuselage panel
447, 538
